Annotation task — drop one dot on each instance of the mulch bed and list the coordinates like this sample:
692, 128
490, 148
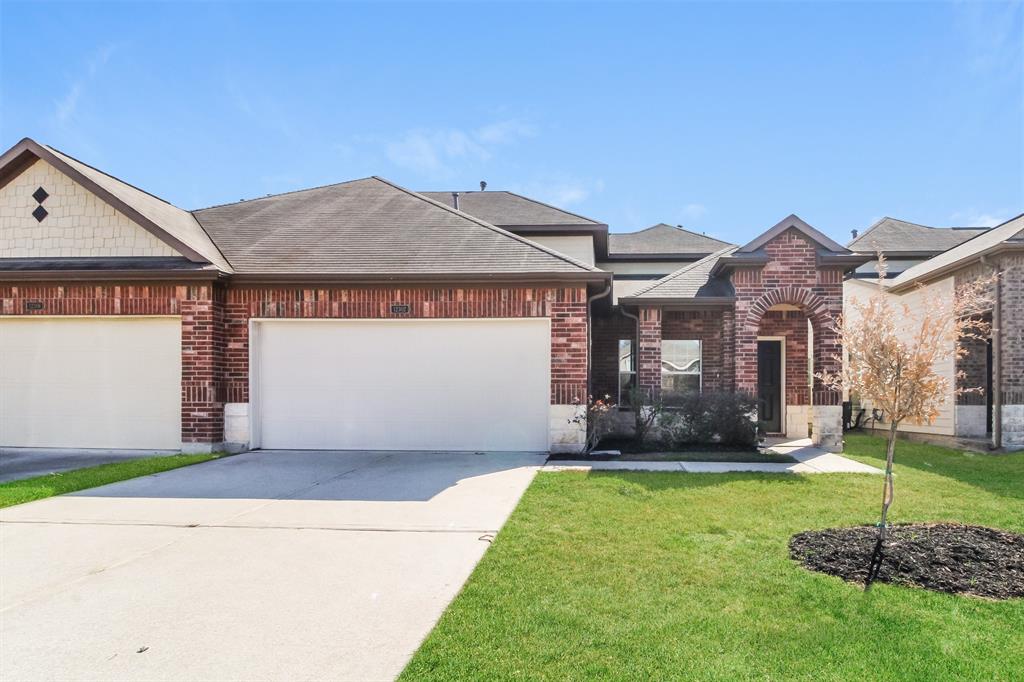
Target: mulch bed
945, 557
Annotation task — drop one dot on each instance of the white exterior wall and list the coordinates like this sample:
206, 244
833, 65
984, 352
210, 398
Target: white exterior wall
945, 422
78, 222
580, 247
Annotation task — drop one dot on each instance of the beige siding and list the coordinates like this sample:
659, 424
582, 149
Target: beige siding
627, 287
580, 247
78, 222
945, 423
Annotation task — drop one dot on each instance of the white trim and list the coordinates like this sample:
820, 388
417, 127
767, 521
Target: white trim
782, 370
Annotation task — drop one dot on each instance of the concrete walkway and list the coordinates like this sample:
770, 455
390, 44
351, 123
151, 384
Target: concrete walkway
268, 565
809, 460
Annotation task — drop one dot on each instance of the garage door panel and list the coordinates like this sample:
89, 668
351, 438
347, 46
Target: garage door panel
405, 385
91, 382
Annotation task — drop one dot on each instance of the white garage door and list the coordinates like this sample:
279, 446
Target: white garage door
402, 384
90, 382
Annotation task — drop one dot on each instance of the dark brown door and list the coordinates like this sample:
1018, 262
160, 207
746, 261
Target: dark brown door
769, 385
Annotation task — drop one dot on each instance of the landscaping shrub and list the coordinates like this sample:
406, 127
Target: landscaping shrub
646, 409
709, 417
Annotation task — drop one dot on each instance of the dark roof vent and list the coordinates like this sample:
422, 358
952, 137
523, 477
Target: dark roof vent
854, 233
483, 185
455, 200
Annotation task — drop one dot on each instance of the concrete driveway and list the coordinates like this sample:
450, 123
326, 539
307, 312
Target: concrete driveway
270, 565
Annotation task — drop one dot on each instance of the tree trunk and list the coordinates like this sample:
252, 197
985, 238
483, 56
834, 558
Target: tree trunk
887, 490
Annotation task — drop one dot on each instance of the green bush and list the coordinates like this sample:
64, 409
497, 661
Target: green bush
719, 417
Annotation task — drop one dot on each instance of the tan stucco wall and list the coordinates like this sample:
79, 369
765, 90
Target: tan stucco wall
580, 247
945, 422
78, 222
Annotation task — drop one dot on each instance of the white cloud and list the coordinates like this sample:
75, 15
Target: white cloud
437, 152
694, 211
975, 218
66, 107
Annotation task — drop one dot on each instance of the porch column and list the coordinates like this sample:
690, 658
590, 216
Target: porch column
649, 353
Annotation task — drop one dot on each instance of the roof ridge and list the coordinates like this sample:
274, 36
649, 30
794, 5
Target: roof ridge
281, 194
494, 228
695, 234
686, 268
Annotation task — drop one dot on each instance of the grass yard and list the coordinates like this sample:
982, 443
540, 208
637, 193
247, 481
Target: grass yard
29, 489
687, 576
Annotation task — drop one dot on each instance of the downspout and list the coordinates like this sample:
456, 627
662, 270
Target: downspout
590, 334
997, 358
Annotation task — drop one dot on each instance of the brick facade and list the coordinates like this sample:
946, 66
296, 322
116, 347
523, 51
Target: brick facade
215, 326
792, 324
712, 329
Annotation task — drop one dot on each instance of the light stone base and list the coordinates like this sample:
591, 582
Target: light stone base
201, 448
566, 437
828, 427
1013, 427
236, 424
797, 419
971, 421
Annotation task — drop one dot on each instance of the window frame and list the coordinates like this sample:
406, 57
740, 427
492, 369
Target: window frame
700, 359
619, 371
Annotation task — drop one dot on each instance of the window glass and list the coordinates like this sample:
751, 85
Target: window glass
680, 365
627, 370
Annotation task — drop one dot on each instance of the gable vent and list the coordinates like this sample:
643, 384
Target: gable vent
40, 195
39, 214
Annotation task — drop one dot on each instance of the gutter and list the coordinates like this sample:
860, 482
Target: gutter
997, 357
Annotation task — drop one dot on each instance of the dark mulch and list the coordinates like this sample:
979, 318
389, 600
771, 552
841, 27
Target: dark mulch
944, 557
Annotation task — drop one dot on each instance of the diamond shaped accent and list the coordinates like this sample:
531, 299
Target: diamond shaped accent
39, 213
40, 195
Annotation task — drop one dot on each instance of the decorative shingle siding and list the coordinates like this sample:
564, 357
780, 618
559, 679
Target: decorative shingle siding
77, 222
567, 308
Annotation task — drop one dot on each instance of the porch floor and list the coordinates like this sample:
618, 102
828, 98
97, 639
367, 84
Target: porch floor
809, 460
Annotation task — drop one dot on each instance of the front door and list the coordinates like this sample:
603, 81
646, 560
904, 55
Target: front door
769, 385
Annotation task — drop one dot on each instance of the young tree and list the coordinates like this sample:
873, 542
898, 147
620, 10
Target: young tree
893, 348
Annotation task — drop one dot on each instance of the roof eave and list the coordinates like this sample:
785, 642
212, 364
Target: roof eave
938, 273
431, 278
669, 301
112, 275
657, 257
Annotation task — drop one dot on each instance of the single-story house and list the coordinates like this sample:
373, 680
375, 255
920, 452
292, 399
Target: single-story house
363, 315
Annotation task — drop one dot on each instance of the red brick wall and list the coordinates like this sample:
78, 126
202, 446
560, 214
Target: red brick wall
648, 371
792, 276
215, 327
202, 338
567, 308
710, 328
791, 324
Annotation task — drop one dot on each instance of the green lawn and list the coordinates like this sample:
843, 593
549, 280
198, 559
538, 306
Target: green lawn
29, 489
687, 576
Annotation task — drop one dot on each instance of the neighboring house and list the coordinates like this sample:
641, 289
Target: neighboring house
905, 244
363, 315
995, 365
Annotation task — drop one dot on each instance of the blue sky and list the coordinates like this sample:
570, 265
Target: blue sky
721, 117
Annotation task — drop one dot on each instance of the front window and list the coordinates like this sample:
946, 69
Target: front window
627, 370
680, 366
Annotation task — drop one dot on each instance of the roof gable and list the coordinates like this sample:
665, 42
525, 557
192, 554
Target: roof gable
793, 221
663, 240
170, 225
373, 227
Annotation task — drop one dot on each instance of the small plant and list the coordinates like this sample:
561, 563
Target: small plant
647, 407
596, 418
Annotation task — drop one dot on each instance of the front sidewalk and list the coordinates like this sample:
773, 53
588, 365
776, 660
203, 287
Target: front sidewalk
810, 459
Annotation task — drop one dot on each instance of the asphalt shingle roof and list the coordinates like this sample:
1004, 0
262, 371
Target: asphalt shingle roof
371, 227
662, 239
508, 208
691, 281
892, 236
